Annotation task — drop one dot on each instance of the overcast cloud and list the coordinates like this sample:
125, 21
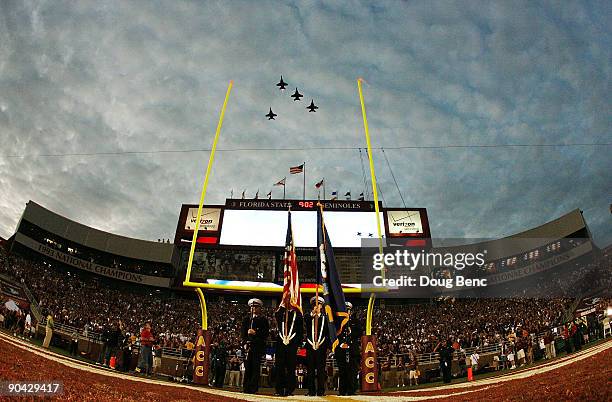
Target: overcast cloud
83, 77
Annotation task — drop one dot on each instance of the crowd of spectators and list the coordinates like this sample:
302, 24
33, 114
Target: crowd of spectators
85, 301
470, 322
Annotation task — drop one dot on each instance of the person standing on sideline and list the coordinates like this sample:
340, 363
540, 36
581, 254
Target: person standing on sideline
49, 331
74, 343
146, 350
220, 364
474, 358
413, 373
27, 331
348, 354
317, 342
234, 377
255, 328
446, 360
290, 334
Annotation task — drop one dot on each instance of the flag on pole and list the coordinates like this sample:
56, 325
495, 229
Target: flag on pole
296, 169
319, 184
243, 194
257, 194
334, 195
281, 182
270, 195
348, 195
361, 197
292, 298
335, 307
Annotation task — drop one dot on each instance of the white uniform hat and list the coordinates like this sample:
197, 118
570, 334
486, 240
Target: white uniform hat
348, 305
313, 300
255, 302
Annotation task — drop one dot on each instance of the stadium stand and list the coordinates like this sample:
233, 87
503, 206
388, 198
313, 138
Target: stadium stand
87, 302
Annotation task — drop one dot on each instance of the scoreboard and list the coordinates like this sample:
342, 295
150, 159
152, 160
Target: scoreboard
299, 205
256, 215
243, 240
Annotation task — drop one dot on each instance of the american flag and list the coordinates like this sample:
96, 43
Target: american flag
296, 169
292, 297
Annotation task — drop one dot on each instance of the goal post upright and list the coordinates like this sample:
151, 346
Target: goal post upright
187, 282
375, 193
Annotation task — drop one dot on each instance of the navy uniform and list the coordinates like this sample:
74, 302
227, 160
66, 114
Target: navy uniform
255, 344
289, 337
317, 342
348, 355
446, 360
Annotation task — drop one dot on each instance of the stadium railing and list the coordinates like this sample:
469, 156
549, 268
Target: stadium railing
69, 330
34, 307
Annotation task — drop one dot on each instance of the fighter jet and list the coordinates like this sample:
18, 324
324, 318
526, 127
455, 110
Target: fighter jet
271, 115
312, 107
296, 96
282, 84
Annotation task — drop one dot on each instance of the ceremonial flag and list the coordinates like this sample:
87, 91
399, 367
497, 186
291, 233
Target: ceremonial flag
281, 182
348, 195
296, 169
327, 275
361, 197
292, 297
334, 195
319, 184
270, 195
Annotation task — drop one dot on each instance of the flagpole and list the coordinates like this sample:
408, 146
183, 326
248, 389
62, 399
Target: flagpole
285, 333
324, 188
187, 281
284, 186
375, 193
304, 171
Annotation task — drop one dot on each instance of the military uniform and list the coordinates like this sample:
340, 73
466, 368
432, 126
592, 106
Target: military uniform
317, 342
289, 337
255, 345
348, 358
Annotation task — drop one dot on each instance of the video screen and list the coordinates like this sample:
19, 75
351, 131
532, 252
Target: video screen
269, 228
233, 265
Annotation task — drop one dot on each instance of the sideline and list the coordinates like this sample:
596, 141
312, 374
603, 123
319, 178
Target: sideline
408, 395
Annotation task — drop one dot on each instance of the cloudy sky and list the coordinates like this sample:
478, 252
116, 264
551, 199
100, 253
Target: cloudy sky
111, 77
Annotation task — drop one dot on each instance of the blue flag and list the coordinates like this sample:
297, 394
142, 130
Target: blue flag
327, 275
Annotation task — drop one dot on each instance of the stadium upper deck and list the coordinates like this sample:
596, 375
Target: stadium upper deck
159, 264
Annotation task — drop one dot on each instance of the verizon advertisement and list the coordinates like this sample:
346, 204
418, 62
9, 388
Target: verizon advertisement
90, 266
406, 223
209, 220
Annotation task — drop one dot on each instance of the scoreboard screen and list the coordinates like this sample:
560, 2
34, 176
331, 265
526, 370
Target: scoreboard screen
269, 228
240, 245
